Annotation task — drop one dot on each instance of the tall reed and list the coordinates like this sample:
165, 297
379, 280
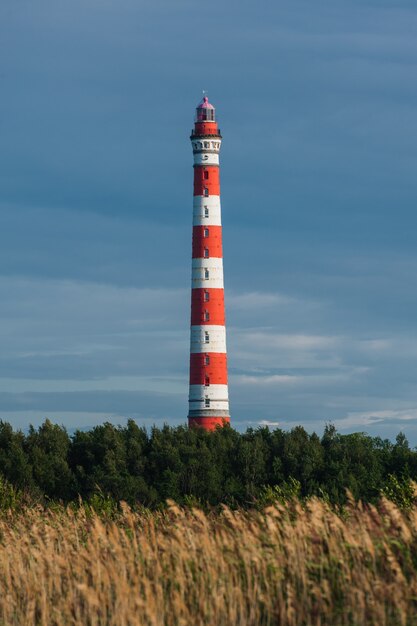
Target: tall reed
289, 565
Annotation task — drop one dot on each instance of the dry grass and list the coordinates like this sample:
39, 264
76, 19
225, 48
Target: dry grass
287, 566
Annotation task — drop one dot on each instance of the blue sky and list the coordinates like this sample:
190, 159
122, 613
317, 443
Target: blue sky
317, 106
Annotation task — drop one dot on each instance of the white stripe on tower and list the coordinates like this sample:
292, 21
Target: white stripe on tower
208, 339
207, 211
209, 396
207, 273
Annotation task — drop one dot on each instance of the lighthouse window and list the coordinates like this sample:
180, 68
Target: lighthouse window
206, 145
207, 381
206, 316
206, 274
206, 211
207, 402
206, 296
206, 232
206, 253
206, 337
206, 192
206, 175
207, 360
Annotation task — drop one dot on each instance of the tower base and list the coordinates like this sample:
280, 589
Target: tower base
208, 423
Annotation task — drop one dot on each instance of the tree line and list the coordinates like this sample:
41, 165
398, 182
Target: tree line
192, 466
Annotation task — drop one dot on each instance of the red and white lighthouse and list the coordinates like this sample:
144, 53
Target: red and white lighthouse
209, 396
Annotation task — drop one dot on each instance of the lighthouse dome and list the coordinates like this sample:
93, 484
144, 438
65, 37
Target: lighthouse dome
205, 111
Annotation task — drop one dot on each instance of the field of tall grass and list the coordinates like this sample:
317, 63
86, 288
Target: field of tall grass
290, 565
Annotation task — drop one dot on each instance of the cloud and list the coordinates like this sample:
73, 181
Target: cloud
83, 348
318, 208
86, 246
269, 424
53, 329
255, 300
313, 378
260, 381
270, 349
371, 418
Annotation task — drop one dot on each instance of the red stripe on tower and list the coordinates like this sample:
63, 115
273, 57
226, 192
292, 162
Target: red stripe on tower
207, 242
209, 395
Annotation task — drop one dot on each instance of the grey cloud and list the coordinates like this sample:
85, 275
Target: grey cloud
71, 329
316, 103
115, 339
126, 402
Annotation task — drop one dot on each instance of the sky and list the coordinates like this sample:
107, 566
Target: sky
317, 106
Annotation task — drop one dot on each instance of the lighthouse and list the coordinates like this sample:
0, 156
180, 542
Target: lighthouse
209, 396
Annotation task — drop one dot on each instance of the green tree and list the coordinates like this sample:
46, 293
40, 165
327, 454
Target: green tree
47, 451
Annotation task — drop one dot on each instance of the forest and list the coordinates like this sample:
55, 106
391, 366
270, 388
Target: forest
128, 463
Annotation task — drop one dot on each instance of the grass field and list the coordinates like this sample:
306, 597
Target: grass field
287, 565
